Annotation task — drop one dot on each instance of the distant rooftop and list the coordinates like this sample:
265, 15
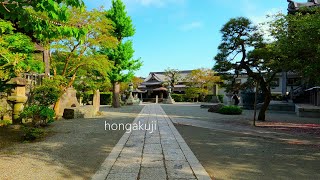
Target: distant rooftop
295, 6
181, 72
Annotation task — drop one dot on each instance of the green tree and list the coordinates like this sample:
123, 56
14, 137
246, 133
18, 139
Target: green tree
78, 57
124, 65
15, 54
203, 79
172, 76
243, 50
41, 20
298, 39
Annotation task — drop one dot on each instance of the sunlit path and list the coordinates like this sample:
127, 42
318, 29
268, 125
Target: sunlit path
158, 153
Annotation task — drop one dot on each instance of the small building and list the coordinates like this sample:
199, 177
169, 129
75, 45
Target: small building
156, 85
296, 6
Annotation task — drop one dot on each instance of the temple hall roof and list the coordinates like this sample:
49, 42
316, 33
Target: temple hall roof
295, 6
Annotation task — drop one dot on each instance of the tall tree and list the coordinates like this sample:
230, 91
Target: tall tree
172, 76
124, 65
202, 79
243, 49
77, 57
40, 20
298, 38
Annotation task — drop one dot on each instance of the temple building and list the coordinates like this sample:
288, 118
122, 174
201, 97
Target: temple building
156, 85
295, 6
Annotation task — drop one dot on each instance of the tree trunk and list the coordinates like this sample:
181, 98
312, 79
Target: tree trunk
57, 108
46, 60
116, 95
96, 101
267, 99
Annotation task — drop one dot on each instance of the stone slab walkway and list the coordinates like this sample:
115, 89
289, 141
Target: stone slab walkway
143, 154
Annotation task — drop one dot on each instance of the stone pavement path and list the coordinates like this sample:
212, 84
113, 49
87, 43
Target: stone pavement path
143, 154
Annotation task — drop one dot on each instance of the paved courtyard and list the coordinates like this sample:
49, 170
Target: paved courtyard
143, 154
229, 147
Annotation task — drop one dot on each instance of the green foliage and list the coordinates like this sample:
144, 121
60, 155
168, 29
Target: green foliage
76, 57
121, 21
244, 50
179, 97
298, 40
220, 96
172, 76
46, 94
39, 115
121, 56
230, 110
15, 54
32, 133
43, 20
105, 98
193, 92
4, 123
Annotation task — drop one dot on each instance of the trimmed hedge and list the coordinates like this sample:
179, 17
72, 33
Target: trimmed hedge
179, 97
230, 110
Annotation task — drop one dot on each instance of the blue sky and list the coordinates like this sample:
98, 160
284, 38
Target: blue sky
184, 34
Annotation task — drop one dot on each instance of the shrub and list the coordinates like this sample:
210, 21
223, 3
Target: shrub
220, 98
5, 123
230, 110
105, 98
46, 94
178, 97
40, 115
32, 133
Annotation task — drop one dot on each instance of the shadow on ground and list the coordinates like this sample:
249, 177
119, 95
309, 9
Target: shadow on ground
226, 156
74, 150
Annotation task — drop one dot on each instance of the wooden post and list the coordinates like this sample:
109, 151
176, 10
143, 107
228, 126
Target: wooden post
255, 103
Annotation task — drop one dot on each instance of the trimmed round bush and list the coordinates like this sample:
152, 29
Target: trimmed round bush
230, 110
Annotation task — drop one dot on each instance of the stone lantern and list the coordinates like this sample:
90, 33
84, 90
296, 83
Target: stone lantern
169, 100
130, 99
17, 97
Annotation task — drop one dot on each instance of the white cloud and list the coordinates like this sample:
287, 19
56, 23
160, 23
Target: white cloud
192, 25
261, 21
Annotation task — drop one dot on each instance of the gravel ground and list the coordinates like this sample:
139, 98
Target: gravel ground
74, 150
193, 111
233, 155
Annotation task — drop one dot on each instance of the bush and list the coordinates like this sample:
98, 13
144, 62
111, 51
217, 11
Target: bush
105, 98
32, 133
220, 98
178, 97
230, 110
40, 115
46, 94
5, 123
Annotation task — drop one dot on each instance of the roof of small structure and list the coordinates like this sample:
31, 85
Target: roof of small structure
138, 91
295, 6
155, 78
160, 89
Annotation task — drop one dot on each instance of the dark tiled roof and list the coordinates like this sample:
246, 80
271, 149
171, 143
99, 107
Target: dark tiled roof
295, 6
